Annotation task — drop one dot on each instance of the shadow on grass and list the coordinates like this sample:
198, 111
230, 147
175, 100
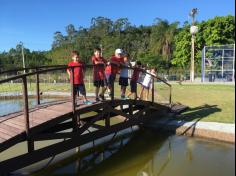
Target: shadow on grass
199, 112
192, 115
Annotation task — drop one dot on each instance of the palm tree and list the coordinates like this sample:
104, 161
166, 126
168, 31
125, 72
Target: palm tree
162, 39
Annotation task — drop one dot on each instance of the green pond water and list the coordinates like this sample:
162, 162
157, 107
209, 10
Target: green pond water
150, 153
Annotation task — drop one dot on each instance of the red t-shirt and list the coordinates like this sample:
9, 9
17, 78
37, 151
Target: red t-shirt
112, 68
99, 70
135, 75
78, 72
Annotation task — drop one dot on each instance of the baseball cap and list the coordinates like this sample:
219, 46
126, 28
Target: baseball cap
118, 51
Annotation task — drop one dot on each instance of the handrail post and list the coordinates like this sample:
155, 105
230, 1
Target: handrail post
170, 98
37, 87
153, 81
74, 117
26, 114
112, 91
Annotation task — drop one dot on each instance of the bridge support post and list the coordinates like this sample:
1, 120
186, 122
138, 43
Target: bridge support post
37, 88
170, 98
130, 109
30, 143
75, 118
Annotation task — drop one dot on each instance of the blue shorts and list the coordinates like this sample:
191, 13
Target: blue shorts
110, 79
80, 89
123, 81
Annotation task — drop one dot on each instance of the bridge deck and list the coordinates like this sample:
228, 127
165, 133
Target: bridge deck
13, 125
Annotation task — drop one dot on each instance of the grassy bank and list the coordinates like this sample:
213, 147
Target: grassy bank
214, 103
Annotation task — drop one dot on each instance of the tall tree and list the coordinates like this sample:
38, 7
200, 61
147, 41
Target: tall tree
162, 39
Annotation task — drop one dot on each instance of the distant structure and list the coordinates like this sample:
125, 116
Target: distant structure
218, 63
193, 31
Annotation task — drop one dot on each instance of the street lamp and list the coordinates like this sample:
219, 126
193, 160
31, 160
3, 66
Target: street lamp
23, 57
193, 31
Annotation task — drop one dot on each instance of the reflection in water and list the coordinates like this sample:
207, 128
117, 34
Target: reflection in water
151, 153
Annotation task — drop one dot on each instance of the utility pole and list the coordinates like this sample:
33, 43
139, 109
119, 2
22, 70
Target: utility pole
23, 56
101, 49
193, 31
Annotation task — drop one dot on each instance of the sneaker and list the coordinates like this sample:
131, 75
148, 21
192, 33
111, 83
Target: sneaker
88, 102
122, 97
102, 97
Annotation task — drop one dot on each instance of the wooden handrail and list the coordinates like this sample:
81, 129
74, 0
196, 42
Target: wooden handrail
40, 70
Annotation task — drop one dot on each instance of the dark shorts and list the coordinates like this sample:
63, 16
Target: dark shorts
133, 86
99, 83
110, 79
123, 81
80, 89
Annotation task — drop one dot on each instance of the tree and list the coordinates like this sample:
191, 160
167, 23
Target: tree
58, 40
162, 39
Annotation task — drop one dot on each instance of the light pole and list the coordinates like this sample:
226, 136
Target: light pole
193, 31
101, 49
23, 56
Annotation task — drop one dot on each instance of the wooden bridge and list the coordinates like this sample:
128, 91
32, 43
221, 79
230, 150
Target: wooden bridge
66, 119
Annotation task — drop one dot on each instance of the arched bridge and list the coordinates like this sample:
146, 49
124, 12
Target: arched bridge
47, 109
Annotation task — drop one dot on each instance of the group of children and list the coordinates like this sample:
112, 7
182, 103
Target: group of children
104, 75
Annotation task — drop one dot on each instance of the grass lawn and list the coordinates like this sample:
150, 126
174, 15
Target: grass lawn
215, 103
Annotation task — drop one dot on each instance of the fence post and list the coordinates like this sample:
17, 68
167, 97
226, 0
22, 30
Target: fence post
73, 99
30, 143
37, 87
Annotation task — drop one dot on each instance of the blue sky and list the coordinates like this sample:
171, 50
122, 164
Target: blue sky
34, 21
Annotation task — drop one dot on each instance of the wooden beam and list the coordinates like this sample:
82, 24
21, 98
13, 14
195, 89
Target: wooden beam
52, 150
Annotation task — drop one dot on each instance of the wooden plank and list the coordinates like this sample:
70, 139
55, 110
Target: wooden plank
7, 131
14, 125
17, 121
67, 107
5, 136
2, 140
11, 128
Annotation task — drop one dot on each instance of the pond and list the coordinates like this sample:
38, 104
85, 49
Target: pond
148, 153
8, 106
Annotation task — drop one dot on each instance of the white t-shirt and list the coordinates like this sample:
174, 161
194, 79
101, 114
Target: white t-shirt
147, 81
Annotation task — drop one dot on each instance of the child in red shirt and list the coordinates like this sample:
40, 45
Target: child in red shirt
79, 68
98, 73
134, 80
113, 68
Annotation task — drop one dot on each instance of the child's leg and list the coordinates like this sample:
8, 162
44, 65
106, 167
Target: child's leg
82, 91
147, 94
123, 89
141, 93
129, 94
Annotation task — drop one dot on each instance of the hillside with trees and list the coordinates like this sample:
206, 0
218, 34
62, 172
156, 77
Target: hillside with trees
164, 45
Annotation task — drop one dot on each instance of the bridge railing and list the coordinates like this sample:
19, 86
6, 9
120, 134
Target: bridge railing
51, 83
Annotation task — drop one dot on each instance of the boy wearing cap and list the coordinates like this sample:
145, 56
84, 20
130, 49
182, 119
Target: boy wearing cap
98, 73
112, 69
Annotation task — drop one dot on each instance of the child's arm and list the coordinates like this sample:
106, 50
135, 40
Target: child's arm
68, 70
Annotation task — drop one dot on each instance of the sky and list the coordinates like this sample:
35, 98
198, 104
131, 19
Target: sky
34, 22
